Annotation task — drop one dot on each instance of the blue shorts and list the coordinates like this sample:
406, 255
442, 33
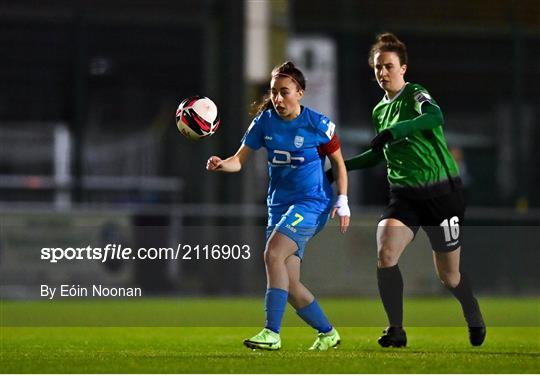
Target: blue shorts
300, 222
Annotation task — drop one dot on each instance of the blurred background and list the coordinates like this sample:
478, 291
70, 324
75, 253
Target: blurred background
90, 154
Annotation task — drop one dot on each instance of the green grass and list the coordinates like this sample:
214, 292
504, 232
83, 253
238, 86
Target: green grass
188, 349
182, 312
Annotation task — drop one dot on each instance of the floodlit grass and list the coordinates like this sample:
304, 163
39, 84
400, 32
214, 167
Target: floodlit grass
185, 349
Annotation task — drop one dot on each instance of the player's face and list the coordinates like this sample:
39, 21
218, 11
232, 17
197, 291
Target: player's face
285, 97
388, 72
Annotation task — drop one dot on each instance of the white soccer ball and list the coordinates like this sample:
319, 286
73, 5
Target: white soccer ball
197, 117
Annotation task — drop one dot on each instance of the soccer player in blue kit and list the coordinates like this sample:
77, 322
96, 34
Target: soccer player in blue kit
300, 199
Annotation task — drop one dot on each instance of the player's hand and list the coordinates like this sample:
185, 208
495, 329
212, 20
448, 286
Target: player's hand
378, 142
341, 207
214, 163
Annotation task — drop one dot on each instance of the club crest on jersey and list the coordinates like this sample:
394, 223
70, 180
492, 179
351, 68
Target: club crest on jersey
298, 141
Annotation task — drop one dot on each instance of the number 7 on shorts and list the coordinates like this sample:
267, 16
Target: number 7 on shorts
299, 218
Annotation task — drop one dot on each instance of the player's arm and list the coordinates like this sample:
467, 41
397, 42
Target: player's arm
367, 159
232, 164
431, 117
339, 172
341, 207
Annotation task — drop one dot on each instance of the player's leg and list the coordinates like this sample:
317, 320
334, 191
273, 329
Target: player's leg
448, 271
309, 309
392, 238
311, 223
299, 295
278, 248
445, 214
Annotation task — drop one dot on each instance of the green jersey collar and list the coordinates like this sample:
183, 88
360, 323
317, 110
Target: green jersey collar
385, 98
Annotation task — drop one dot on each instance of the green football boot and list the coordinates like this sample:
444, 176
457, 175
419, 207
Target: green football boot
325, 341
264, 340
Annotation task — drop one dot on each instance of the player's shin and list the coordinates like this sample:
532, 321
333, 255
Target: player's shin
275, 302
390, 283
471, 310
314, 316
469, 304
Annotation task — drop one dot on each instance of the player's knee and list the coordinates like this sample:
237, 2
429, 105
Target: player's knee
387, 256
449, 279
272, 256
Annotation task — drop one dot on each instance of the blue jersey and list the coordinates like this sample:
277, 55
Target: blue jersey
295, 168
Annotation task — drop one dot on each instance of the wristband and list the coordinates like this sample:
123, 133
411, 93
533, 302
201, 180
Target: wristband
342, 205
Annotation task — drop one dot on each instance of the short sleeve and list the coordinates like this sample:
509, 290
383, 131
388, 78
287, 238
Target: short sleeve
325, 130
254, 135
420, 97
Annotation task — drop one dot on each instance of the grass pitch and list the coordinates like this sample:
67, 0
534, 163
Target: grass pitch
159, 349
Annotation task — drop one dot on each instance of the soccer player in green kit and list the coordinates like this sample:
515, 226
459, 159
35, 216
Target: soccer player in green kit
425, 189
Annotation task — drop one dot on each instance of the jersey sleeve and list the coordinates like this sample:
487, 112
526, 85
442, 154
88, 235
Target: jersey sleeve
432, 117
326, 137
367, 159
325, 130
254, 137
422, 96
330, 147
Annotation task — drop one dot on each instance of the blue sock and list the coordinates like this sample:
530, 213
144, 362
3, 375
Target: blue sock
275, 301
314, 316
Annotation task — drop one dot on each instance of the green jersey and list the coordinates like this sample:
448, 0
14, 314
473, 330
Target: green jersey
418, 157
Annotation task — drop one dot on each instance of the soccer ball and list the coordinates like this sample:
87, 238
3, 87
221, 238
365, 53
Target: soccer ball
197, 117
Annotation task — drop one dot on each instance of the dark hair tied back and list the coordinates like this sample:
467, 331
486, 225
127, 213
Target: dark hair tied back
287, 69
388, 42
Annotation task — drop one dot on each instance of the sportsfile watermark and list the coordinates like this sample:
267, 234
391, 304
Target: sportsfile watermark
112, 252
65, 273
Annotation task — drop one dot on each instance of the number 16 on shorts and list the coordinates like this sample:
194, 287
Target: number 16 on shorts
451, 229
